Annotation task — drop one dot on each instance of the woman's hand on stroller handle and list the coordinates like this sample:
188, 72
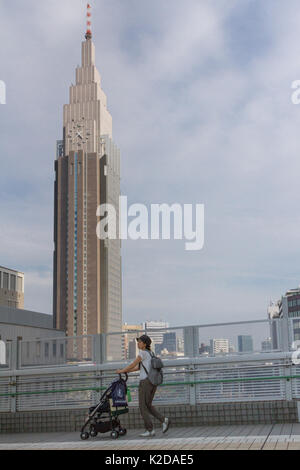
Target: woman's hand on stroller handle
120, 374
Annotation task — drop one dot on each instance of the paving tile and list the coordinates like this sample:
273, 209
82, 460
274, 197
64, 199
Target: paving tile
252, 437
222, 446
244, 446
256, 446
294, 446
269, 446
282, 446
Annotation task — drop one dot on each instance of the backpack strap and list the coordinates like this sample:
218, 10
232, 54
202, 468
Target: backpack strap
143, 364
151, 353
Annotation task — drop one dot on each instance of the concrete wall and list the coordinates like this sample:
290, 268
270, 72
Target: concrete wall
267, 412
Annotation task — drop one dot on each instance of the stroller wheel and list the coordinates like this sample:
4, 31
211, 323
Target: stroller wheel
114, 434
93, 433
84, 435
122, 431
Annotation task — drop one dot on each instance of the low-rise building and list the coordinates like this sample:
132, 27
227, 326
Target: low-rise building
219, 346
32, 330
11, 288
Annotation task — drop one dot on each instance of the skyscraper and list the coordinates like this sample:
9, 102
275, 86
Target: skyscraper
245, 343
87, 270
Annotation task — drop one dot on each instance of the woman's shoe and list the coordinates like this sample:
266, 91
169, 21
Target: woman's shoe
148, 434
165, 425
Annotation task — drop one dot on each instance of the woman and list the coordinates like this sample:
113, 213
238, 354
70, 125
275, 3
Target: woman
146, 389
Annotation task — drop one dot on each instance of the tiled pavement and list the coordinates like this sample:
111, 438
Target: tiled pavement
252, 437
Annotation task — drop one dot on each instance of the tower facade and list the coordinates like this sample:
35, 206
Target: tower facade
87, 293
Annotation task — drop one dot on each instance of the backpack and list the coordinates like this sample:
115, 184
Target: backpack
155, 374
118, 393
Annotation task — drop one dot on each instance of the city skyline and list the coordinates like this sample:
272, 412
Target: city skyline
201, 99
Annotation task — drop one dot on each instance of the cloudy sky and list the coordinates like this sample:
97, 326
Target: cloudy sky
200, 94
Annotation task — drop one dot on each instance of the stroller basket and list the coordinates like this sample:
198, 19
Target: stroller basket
105, 426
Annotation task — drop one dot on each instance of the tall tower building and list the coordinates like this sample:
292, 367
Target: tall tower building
87, 271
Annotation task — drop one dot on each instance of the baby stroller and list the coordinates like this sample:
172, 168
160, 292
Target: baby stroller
112, 404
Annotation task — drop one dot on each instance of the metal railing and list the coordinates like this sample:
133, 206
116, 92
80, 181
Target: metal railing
254, 377
209, 340
71, 372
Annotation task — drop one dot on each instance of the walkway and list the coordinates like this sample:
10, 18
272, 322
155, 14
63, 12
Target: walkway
252, 437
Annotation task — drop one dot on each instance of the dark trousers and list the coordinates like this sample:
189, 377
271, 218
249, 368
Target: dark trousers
146, 395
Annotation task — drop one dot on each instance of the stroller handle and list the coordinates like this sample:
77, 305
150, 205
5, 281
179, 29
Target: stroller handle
126, 376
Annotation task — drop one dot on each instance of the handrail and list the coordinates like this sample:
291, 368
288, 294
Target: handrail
206, 325
166, 372
166, 384
261, 360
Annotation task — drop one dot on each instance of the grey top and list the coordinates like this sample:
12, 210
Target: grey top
146, 361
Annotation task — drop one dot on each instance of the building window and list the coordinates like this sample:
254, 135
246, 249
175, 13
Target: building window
46, 349
5, 280
12, 282
38, 349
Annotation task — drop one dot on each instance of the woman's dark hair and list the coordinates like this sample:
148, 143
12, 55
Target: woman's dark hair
146, 340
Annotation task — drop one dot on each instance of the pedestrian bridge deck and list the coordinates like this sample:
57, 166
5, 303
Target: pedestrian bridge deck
239, 437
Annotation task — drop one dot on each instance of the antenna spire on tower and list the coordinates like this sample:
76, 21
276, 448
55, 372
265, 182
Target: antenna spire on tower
88, 34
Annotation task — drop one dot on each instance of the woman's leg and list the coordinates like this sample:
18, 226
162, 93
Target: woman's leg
150, 392
143, 405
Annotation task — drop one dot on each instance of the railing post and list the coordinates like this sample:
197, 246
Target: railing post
288, 382
13, 378
14, 354
103, 348
192, 387
97, 349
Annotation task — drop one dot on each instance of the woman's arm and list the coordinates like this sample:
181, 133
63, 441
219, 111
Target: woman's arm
134, 366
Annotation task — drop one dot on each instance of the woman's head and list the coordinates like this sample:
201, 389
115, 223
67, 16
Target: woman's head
144, 342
